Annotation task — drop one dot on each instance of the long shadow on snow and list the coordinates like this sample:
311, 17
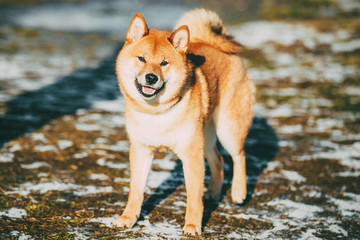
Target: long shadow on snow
32, 110
261, 146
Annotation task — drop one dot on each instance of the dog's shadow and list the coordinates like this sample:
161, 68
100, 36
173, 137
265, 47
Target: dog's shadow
261, 146
32, 110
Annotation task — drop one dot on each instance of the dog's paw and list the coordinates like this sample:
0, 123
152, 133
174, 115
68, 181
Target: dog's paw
238, 196
191, 230
124, 221
211, 195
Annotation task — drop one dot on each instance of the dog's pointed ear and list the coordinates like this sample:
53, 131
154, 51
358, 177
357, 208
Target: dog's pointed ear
180, 39
137, 29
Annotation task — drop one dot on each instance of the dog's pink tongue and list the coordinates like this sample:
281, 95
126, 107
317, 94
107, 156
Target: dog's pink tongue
148, 90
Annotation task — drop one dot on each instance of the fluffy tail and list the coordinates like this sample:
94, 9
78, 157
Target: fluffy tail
207, 27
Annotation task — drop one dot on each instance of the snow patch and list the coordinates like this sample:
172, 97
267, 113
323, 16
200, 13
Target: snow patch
323, 125
79, 190
348, 207
120, 146
107, 221
113, 17
257, 33
156, 178
293, 176
45, 148
346, 154
348, 5
294, 209
309, 234
291, 129
122, 180
347, 46
14, 213
87, 127
167, 229
353, 91
35, 165
166, 163
100, 176
103, 162
337, 229
6, 157
39, 137
281, 111
63, 144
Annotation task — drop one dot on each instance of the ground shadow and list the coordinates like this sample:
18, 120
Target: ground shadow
32, 110
261, 146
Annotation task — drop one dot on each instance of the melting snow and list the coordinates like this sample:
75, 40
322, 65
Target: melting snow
39, 136
6, 157
63, 144
348, 207
156, 178
346, 154
103, 162
35, 165
293, 176
257, 33
323, 125
166, 163
354, 91
107, 221
13, 213
88, 127
347, 46
290, 129
294, 209
167, 229
96, 176
309, 234
79, 190
46, 148
348, 5
113, 17
120, 146
282, 111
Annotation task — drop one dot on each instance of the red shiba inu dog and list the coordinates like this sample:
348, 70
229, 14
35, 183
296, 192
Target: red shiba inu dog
182, 91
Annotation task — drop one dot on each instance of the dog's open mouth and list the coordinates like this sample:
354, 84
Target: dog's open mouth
147, 91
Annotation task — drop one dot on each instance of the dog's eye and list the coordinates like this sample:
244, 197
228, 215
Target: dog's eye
164, 63
141, 59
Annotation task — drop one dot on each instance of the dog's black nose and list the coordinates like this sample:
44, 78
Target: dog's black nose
151, 78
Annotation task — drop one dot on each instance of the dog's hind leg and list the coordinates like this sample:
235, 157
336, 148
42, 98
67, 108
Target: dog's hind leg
232, 139
215, 162
232, 121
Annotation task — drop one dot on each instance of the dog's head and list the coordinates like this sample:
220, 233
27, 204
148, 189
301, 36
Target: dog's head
152, 68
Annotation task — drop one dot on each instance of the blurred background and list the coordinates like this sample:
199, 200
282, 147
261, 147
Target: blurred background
64, 151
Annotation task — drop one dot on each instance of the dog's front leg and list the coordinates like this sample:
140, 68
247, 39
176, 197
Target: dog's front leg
140, 163
194, 170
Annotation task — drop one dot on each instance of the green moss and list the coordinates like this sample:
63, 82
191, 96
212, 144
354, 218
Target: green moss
350, 58
341, 101
305, 9
256, 58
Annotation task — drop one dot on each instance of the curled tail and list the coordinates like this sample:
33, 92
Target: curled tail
207, 27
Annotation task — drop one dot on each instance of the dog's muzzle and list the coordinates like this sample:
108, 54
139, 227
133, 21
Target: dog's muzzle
147, 91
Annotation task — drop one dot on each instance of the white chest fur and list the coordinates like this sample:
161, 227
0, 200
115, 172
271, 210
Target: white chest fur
171, 128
